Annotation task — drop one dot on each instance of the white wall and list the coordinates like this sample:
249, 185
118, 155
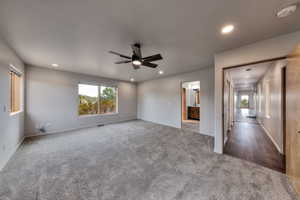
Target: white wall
11, 127
266, 49
159, 100
273, 124
52, 98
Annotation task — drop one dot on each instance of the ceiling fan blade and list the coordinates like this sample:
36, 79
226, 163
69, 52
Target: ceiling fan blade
136, 48
118, 54
136, 66
148, 64
153, 58
123, 61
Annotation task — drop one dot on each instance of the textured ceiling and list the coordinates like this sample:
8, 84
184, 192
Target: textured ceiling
77, 34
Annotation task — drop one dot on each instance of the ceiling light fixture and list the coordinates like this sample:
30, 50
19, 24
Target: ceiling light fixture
227, 29
286, 11
132, 79
161, 72
54, 65
137, 62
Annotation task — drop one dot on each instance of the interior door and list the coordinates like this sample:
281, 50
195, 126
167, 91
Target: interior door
229, 107
183, 104
293, 119
226, 109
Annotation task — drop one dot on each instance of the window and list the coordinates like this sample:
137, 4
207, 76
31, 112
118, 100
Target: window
15, 92
244, 101
267, 99
88, 99
108, 100
94, 99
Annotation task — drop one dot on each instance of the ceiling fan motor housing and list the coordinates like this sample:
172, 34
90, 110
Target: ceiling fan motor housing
137, 45
135, 57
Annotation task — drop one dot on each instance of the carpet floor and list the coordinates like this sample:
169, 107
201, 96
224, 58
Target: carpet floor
134, 160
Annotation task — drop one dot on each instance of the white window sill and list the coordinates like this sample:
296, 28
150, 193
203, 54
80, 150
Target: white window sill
15, 113
97, 115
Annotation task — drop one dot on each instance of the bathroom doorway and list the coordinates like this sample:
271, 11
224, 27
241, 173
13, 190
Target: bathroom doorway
190, 106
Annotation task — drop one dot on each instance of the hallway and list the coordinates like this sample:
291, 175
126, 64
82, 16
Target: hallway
248, 141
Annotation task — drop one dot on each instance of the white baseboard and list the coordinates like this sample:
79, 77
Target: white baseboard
78, 128
11, 154
271, 138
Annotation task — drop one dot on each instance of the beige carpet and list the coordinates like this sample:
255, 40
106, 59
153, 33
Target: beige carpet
135, 160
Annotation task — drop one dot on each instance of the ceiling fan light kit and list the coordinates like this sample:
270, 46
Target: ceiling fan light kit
136, 59
136, 62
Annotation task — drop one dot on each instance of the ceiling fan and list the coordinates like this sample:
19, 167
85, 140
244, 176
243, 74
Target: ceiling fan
136, 59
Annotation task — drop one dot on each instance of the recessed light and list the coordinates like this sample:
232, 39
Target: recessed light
286, 11
137, 62
227, 29
161, 72
132, 79
54, 65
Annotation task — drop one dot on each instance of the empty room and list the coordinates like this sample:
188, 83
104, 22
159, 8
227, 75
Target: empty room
149, 100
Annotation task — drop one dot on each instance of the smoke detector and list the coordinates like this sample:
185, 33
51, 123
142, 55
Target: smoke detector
287, 10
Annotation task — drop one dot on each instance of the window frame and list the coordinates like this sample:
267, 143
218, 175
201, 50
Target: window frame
99, 93
90, 84
241, 99
117, 99
14, 72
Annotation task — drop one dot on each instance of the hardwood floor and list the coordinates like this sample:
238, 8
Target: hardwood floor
248, 141
191, 125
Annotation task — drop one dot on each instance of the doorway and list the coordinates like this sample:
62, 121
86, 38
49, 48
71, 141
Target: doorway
254, 121
190, 106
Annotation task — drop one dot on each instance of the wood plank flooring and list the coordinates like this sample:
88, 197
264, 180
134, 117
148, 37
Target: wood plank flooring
248, 141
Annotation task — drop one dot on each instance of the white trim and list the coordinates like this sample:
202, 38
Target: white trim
97, 115
98, 100
15, 113
271, 138
12, 153
80, 127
